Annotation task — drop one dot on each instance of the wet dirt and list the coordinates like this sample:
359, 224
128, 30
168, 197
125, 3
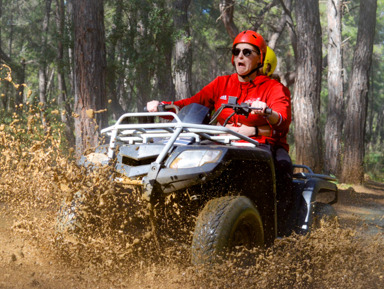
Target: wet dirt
116, 248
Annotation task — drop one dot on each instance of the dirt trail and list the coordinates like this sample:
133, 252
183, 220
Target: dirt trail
362, 206
26, 262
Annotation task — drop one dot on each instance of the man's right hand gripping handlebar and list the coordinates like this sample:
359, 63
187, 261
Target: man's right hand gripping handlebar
152, 106
155, 106
263, 109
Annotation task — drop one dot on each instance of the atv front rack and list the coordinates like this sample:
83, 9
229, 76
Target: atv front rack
170, 133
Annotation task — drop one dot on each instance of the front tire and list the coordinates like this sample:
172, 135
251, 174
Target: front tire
224, 224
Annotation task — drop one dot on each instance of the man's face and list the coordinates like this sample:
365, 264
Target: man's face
247, 59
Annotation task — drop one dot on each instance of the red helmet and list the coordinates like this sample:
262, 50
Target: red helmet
254, 38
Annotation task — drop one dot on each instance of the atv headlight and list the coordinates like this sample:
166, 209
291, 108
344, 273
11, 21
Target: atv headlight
195, 158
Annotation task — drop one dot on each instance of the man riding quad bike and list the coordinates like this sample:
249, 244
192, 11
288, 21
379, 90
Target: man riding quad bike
269, 124
229, 178
235, 167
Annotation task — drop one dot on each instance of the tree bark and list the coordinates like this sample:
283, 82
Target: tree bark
306, 98
115, 108
288, 78
226, 10
90, 67
9, 101
353, 164
43, 63
43, 51
166, 87
66, 111
183, 53
164, 72
280, 28
287, 7
69, 20
1, 15
334, 124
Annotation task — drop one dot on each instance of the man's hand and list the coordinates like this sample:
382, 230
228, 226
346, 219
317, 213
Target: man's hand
152, 105
264, 130
272, 118
261, 107
243, 129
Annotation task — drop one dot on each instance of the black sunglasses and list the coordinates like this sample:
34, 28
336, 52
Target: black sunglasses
246, 52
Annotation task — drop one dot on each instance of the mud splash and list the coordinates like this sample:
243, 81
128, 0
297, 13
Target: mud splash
115, 247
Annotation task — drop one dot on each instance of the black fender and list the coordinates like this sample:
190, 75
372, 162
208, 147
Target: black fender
312, 189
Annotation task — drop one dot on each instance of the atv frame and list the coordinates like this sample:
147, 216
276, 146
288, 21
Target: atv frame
226, 174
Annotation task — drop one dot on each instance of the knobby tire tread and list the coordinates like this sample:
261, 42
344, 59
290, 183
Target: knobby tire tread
212, 221
207, 241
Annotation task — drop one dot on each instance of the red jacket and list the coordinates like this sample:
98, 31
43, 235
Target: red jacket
272, 92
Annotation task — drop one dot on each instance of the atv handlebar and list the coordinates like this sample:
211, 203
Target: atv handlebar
239, 109
165, 107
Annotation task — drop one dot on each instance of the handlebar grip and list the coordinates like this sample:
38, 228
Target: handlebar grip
267, 110
161, 107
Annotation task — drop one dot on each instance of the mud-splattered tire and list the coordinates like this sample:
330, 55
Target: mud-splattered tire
322, 211
69, 217
224, 224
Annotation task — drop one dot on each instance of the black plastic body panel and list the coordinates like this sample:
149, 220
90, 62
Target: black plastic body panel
240, 171
307, 190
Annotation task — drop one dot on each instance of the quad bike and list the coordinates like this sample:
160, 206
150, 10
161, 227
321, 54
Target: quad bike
230, 180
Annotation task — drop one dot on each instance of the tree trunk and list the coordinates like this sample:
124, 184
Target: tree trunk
7, 59
115, 108
306, 98
287, 7
183, 53
43, 51
353, 169
69, 19
43, 62
90, 67
280, 26
166, 86
334, 124
21, 80
1, 15
164, 72
3, 96
226, 10
66, 111
143, 72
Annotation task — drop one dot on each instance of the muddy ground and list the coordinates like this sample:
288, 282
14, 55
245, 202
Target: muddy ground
116, 249
27, 262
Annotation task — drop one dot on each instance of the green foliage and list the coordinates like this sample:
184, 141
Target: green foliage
140, 37
374, 165
26, 125
211, 44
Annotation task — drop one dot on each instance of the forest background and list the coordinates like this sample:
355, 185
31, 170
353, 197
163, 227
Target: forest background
83, 63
